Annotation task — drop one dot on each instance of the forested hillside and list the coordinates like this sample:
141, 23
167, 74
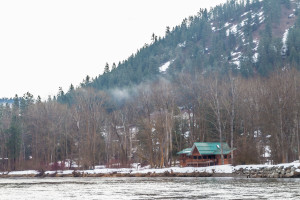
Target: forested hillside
229, 74
244, 37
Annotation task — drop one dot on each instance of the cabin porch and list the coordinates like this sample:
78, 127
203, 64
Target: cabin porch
203, 161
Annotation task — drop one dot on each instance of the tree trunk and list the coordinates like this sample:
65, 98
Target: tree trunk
232, 117
219, 121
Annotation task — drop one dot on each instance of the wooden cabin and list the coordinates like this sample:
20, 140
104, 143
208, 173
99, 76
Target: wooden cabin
204, 154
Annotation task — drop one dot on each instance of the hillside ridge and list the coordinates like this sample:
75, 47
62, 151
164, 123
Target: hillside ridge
226, 38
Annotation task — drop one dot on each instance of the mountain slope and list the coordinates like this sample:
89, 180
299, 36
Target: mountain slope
244, 37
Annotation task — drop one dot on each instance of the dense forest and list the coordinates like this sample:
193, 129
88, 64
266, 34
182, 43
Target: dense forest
232, 76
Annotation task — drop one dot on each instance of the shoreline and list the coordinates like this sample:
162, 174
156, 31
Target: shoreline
119, 175
112, 175
287, 170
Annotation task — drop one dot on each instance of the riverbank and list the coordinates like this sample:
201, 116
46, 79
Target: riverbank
287, 170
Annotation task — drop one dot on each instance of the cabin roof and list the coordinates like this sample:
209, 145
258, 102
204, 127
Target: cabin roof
208, 148
185, 151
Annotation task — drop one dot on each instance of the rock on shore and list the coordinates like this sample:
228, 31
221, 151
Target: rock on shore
276, 171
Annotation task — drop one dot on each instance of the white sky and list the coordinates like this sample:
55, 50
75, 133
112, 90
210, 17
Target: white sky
49, 44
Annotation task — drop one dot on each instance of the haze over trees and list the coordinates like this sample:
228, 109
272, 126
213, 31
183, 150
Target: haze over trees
228, 79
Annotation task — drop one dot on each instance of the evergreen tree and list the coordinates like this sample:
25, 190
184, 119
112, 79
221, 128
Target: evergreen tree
61, 96
248, 5
26, 101
71, 88
87, 80
14, 141
16, 105
113, 67
106, 68
168, 30
39, 99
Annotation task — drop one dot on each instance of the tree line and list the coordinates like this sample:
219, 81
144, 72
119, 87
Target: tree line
151, 122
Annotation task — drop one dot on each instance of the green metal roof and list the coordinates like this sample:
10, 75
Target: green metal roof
208, 148
185, 151
211, 148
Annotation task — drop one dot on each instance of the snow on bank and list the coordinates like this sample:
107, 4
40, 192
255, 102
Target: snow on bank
284, 165
226, 169
27, 172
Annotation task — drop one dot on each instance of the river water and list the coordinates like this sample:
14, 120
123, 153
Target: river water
148, 188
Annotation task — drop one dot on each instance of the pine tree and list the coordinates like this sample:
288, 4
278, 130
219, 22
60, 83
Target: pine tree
106, 68
60, 92
61, 97
248, 5
87, 80
167, 30
16, 105
39, 99
26, 101
113, 67
71, 88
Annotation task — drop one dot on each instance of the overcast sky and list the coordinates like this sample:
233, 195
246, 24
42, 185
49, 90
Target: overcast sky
49, 44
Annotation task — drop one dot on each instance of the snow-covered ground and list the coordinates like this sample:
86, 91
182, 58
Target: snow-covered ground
227, 169
285, 36
165, 66
236, 56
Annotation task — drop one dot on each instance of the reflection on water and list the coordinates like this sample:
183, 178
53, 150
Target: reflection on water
148, 188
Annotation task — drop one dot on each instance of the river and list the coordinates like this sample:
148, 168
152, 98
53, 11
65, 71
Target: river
148, 188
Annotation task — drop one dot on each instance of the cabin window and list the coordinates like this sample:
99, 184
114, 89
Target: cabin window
213, 157
225, 156
199, 157
195, 157
204, 157
209, 157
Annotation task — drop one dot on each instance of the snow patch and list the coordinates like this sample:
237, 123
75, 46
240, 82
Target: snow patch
257, 133
267, 153
243, 23
165, 66
261, 19
182, 44
260, 14
187, 134
237, 63
232, 30
255, 57
236, 59
27, 172
226, 24
285, 36
245, 13
256, 42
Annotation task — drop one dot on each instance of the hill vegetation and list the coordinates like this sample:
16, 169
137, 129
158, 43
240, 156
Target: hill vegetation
229, 74
243, 37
